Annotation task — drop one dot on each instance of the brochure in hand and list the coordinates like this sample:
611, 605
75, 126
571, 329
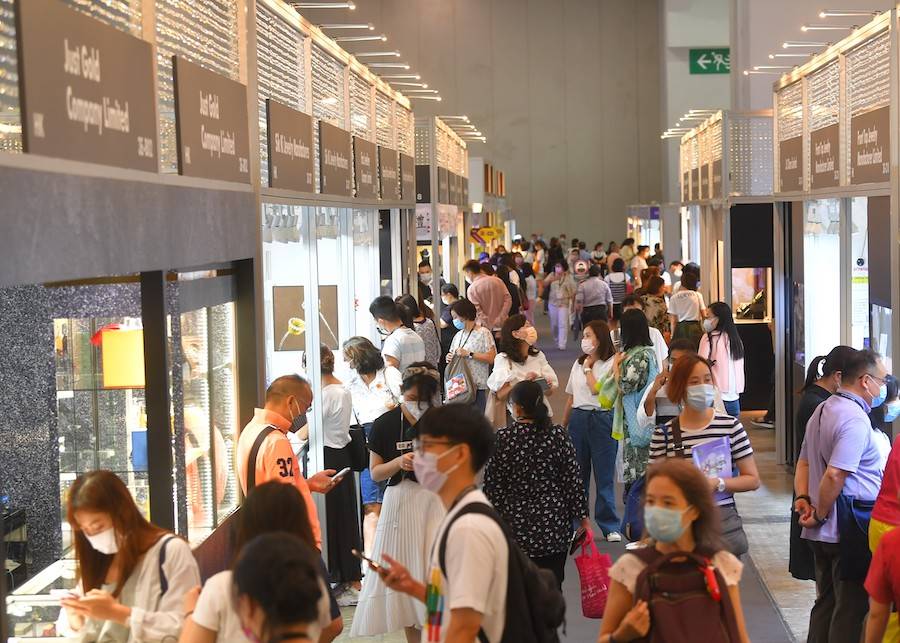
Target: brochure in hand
713, 458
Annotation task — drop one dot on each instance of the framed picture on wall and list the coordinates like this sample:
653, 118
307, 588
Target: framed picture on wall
289, 317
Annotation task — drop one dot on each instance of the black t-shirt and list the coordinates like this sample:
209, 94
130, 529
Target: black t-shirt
447, 333
390, 431
809, 402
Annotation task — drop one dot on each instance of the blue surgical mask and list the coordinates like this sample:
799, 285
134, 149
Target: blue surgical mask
459, 324
664, 525
701, 396
879, 399
891, 411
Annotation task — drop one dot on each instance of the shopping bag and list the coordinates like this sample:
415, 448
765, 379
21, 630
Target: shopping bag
459, 385
593, 570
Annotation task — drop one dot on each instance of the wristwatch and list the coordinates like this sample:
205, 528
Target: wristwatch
587, 369
820, 521
721, 486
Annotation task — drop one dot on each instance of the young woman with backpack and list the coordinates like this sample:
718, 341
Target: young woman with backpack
694, 595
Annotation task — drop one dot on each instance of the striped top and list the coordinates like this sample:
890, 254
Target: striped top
618, 286
662, 444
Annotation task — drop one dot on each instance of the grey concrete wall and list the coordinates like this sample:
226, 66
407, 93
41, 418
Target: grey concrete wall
566, 91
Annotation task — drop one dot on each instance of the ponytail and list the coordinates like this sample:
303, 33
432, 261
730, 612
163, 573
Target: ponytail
813, 373
530, 397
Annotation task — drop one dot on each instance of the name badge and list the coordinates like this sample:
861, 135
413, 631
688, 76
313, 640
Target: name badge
405, 446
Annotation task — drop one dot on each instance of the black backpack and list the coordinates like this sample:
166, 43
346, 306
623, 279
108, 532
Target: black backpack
535, 608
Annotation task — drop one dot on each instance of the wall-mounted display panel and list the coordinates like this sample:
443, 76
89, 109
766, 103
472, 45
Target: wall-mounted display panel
290, 145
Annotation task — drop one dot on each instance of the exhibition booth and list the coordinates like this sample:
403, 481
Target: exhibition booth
132, 292
834, 124
727, 227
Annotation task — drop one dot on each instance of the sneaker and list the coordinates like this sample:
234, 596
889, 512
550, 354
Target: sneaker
349, 598
763, 423
614, 537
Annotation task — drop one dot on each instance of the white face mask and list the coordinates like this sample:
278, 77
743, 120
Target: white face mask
469, 280
105, 542
709, 325
425, 467
415, 409
587, 347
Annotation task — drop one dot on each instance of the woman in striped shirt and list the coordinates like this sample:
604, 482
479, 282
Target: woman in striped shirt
618, 285
691, 386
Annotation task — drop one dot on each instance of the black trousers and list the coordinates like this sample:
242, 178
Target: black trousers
841, 605
556, 563
342, 514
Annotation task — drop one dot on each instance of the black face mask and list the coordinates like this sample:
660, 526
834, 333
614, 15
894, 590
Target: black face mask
298, 421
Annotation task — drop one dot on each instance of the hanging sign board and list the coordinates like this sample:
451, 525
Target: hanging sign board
790, 155
407, 177
290, 137
717, 179
686, 186
334, 160
443, 185
454, 189
364, 169
870, 147
424, 221
423, 184
823, 146
704, 181
93, 103
695, 184
465, 193
388, 173
211, 124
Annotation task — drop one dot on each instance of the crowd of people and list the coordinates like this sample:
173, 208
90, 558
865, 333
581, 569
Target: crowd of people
471, 495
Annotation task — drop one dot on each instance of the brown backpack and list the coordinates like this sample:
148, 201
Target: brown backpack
683, 606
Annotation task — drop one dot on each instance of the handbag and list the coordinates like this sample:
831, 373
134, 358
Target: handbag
853, 518
633, 516
593, 571
459, 385
358, 448
495, 411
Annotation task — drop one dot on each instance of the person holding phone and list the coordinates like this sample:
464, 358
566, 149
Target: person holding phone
132, 575
410, 515
341, 507
519, 360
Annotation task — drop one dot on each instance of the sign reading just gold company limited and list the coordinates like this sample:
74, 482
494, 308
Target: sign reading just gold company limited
211, 124
86, 88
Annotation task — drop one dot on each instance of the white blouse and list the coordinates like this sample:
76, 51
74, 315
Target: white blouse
506, 371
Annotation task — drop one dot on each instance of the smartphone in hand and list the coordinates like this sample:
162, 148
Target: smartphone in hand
376, 566
543, 383
577, 540
340, 475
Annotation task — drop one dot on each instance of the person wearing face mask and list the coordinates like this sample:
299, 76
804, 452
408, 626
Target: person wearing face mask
410, 514
127, 591
562, 295
691, 385
464, 587
520, 360
213, 615
402, 346
449, 296
288, 398
590, 424
534, 459
528, 282
341, 507
823, 377
277, 589
722, 346
423, 324
680, 518
476, 344
836, 481
426, 281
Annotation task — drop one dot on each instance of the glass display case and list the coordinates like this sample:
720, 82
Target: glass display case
750, 293
33, 609
100, 404
822, 303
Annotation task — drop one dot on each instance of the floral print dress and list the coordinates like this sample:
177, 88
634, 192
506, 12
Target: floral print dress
657, 312
637, 370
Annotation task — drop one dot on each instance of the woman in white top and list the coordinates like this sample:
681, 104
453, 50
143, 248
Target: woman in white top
475, 343
680, 518
686, 310
375, 390
341, 506
723, 347
590, 425
520, 360
423, 325
269, 508
132, 575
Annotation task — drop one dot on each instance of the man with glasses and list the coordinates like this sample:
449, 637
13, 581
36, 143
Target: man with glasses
836, 482
288, 399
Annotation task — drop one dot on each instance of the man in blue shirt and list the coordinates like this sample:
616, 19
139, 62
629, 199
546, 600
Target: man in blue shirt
838, 473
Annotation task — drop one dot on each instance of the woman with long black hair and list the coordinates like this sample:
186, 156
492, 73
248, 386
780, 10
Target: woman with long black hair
722, 346
534, 481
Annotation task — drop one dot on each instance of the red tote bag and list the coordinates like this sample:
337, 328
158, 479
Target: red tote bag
593, 570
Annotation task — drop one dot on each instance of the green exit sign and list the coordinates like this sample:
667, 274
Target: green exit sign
710, 61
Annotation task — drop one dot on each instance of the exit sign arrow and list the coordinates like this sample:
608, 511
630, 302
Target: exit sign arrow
710, 61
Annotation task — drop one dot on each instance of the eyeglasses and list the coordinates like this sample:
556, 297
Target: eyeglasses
419, 445
880, 380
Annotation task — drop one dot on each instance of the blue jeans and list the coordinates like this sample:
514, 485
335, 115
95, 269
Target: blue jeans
371, 492
481, 399
591, 433
732, 407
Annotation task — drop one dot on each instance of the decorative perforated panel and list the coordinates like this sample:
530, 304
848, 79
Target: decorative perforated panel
750, 153
405, 124
384, 120
204, 32
790, 112
328, 97
869, 74
423, 144
10, 121
714, 132
281, 71
360, 107
121, 14
823, 96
